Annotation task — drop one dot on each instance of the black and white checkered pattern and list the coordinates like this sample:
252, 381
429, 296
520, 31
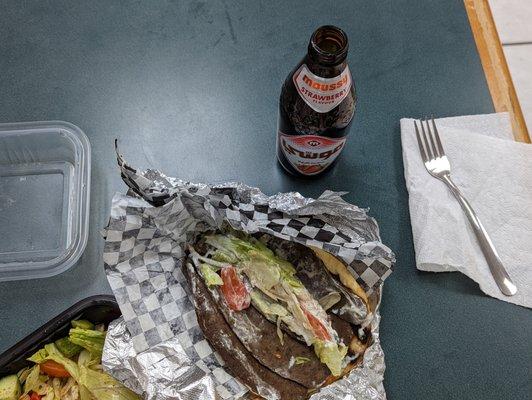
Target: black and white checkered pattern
144, 249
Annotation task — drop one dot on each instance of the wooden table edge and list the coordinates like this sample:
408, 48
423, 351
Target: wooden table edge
493, 61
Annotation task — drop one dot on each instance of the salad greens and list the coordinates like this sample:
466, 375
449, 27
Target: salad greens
210, 275
82, 323
275, 290
68, 348
89, 339
68, 369
301, 360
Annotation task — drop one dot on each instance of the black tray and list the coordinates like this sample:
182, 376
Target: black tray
97, 309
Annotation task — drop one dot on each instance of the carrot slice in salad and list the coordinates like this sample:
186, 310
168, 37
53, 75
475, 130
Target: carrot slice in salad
52, 368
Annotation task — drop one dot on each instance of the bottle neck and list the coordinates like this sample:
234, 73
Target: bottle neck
327, 51
328, 45
324, 71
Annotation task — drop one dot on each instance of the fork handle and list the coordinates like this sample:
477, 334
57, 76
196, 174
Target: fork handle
497, 269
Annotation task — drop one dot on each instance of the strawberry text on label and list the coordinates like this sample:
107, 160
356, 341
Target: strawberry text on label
322, 94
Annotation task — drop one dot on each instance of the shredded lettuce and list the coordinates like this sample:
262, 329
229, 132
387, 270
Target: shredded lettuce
267, 306
88, 339
210, 276
289, 278
39, 356
263, 268
82, 323
224, 256
84, 393
68, 348
261, 274
32, 380
223, 245
56, 388
84, 358
331, 354
23, 374
104, 387
301, 360
87, 359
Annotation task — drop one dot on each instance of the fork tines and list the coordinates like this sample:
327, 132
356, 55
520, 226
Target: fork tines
428, 140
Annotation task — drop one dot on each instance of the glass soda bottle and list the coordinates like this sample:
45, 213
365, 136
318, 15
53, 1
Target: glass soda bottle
316, 106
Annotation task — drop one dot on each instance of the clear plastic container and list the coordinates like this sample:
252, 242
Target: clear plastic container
44, 198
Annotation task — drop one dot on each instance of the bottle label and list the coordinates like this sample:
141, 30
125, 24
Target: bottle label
310, 154
322, 94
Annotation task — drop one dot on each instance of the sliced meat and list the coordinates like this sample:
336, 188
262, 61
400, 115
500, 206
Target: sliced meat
241, 363
259, 337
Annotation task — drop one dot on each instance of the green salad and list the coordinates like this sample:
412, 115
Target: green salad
68, 369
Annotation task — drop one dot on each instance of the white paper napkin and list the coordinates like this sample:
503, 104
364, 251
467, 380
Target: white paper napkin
495, 174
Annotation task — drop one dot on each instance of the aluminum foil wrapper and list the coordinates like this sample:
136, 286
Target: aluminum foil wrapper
157, 348
159, 373
162, 372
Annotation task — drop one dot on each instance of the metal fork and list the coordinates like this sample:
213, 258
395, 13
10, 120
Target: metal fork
438, 166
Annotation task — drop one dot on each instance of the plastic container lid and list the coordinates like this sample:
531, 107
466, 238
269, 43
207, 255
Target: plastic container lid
44, 198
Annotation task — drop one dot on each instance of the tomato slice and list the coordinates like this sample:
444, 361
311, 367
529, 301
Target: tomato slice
233, 289
34, 396
319, 329
51, 368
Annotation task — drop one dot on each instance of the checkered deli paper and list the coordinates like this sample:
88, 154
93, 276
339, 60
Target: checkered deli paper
157, 347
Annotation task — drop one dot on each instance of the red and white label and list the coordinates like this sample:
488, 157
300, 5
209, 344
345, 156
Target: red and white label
322, 94
310, 154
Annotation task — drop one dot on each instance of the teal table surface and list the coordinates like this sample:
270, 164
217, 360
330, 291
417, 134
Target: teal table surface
191, 87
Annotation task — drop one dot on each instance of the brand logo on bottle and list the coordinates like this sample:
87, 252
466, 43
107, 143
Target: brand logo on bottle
322, 94
310, 154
